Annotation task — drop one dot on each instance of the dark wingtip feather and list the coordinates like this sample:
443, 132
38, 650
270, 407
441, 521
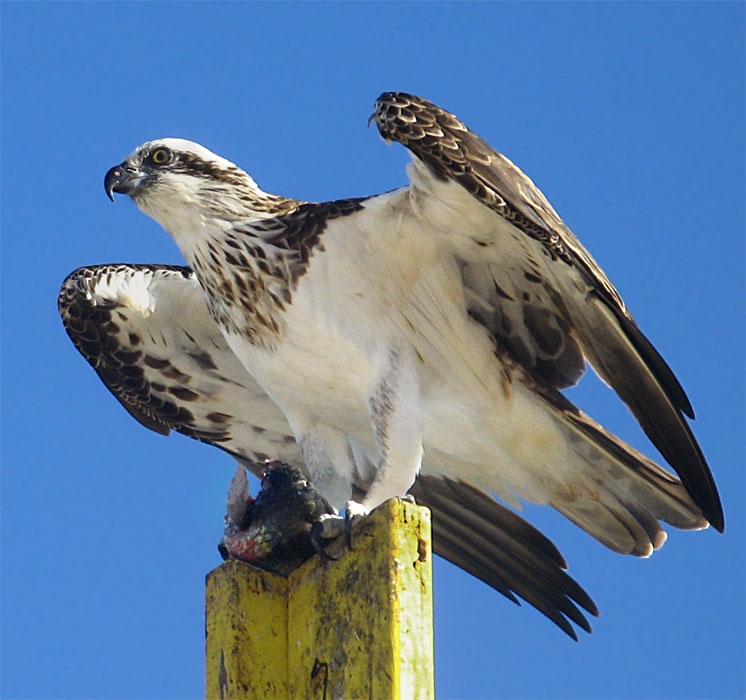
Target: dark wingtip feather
626, 359
476, 533
639, 373
658, 366
485, 506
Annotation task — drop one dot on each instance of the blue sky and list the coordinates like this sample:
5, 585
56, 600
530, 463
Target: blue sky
629, 116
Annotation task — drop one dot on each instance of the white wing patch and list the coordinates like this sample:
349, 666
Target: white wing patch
131, 291
146, 331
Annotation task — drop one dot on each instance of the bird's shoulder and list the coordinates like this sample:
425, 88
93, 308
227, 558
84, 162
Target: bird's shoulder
299, 229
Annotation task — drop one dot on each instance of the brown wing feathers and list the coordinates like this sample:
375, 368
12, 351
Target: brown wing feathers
497, 546
470, 529
611, 340
93, 330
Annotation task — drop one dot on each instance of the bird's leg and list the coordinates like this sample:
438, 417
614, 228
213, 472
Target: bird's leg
329, 462
330, 466
396, 415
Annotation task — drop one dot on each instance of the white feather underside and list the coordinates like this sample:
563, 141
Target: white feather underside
391, 276
382, 279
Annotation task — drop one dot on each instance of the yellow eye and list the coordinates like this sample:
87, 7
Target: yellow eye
161, 156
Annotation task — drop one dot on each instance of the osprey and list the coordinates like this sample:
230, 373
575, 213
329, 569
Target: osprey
426, 331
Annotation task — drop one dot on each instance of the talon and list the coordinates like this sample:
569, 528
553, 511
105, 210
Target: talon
317, 540
223, 550
349, 517
353, 510
330, 526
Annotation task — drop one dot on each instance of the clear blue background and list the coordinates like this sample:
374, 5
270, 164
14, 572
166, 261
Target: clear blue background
629, 116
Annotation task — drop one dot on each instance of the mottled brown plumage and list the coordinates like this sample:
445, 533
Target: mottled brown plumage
266, 258
470, 529
429, 328
164, 360
627, 361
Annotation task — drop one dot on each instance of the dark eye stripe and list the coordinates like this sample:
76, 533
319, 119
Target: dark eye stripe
195, 165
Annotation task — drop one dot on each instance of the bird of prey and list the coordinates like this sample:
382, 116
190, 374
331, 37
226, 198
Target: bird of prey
147, 332
426, 331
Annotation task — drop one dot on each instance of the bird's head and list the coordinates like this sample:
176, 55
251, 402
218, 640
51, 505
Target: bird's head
172, 179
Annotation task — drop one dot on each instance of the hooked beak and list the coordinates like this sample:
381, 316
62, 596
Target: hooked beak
123, 179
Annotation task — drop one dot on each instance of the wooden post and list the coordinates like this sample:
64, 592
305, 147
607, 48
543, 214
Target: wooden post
359, 627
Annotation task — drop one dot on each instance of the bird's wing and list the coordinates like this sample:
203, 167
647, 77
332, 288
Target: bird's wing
146, 331
494, 544
533, 285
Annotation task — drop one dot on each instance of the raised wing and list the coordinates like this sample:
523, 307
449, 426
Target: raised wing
532, 284
146, 331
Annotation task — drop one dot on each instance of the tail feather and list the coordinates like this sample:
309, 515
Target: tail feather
608, 488
642, 480
616, 493
611, 524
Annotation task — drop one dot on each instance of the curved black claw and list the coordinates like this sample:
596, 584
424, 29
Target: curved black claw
349, 519
317, 540
353, 511
224, 552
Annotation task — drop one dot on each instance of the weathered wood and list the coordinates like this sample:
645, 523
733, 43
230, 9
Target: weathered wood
359, 627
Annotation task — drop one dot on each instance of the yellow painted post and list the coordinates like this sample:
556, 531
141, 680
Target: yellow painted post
246, 633
359, 627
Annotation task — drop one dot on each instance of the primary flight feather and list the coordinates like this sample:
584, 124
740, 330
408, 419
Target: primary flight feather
428, 330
